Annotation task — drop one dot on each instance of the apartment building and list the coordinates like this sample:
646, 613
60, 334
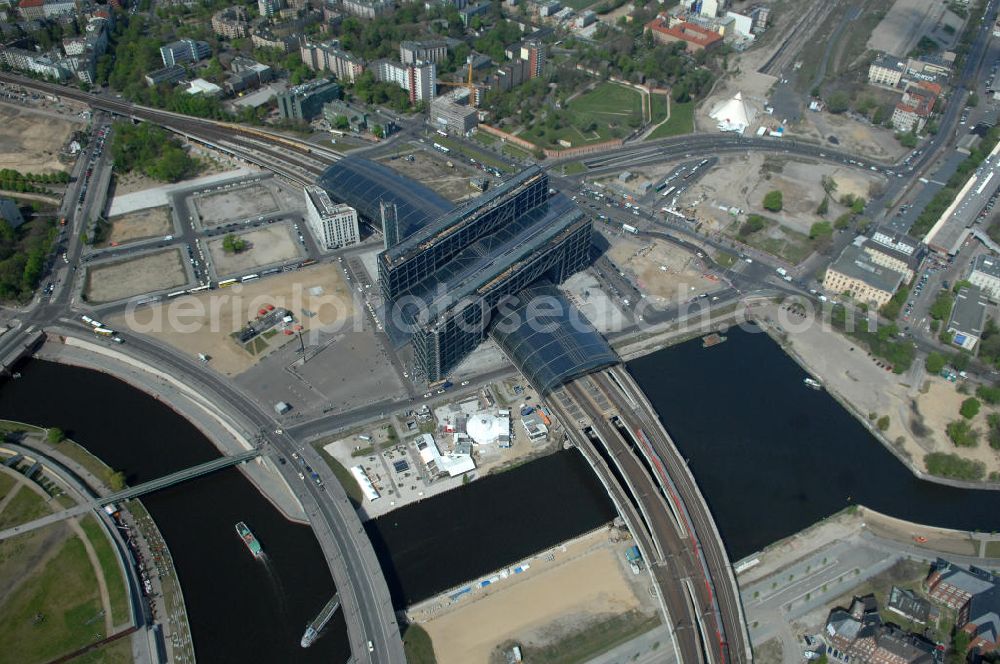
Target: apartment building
333, 225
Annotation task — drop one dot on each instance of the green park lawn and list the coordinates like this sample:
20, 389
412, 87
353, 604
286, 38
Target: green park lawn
25, 506
589, 117
55, 612
681, 121
109, 565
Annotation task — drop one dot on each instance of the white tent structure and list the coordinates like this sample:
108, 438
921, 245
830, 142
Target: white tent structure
733, 114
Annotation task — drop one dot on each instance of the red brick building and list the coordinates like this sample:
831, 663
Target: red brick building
695, 37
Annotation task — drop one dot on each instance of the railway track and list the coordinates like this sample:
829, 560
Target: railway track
695, 576
669, 568
719, 580
798, 36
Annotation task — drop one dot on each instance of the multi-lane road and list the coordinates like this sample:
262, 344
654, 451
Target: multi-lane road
359, 578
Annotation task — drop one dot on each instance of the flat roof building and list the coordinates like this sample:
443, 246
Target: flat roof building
305, 102
328, 56
367, 8
420, 80
200, 86
894, 251
968, 316
985, 275
447, 114
886, 70
419, 256
854, 272
170, 74
184, 50
333, 225
412, 52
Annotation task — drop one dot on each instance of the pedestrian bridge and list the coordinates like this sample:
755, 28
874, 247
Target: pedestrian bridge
131, 492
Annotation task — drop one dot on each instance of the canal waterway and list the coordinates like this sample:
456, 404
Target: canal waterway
240, 609
772, 456
454, 537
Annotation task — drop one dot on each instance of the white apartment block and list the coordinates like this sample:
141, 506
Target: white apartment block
420, 80
332, 225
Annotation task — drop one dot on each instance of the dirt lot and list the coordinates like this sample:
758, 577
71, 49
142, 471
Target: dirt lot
582, 585
268, 245
904, 25
432, 170
204, 323
135, 276
133, 181
31, 143
742, 182
238, 203
934, 409
855, 137
139, 225
667, 273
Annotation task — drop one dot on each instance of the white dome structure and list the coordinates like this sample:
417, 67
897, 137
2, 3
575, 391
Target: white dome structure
733, 114
485, 429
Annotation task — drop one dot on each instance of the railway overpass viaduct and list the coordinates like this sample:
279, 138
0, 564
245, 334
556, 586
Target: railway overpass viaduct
609, 419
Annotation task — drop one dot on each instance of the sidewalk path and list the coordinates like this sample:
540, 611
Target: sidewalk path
102, 583
157, 196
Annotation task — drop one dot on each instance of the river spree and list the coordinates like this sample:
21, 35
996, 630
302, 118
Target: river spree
457, 536
240, 609
772, 456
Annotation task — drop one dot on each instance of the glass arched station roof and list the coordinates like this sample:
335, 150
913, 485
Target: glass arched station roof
549, 339
363, 184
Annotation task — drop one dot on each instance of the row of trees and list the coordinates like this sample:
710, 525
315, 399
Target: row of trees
59, 177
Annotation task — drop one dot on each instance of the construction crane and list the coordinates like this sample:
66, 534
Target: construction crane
472, 87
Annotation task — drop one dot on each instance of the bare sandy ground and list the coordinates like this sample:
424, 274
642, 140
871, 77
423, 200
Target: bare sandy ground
939, 406
268, 245
204, 322
240, 203
128, 278
666, 272
140, 225
582, 587
854, 137
738, 182
31, 143
919, 406
433, 171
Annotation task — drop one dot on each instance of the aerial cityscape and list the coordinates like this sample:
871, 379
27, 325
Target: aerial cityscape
497, 331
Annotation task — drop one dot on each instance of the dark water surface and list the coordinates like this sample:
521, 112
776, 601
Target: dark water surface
430, 546
772, 456
240, 610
